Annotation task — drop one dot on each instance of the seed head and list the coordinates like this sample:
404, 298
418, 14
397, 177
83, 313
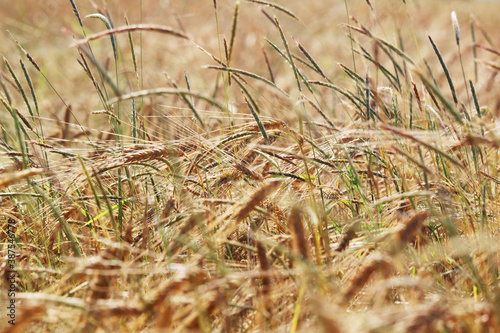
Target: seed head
456, 27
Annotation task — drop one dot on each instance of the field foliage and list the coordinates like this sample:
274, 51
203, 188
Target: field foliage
241, 166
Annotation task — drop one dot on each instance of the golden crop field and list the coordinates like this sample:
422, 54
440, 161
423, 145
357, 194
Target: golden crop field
249, 166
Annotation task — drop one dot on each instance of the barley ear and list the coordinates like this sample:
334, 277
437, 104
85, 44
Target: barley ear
295, 222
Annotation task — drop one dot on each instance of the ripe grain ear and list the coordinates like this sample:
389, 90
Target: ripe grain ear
295, 222
411, 227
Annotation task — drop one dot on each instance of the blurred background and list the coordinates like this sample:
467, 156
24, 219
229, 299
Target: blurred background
48, 30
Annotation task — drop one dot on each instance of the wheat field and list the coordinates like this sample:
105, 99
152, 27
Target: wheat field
249, 166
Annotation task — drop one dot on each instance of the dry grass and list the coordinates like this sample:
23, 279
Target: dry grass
252, 166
